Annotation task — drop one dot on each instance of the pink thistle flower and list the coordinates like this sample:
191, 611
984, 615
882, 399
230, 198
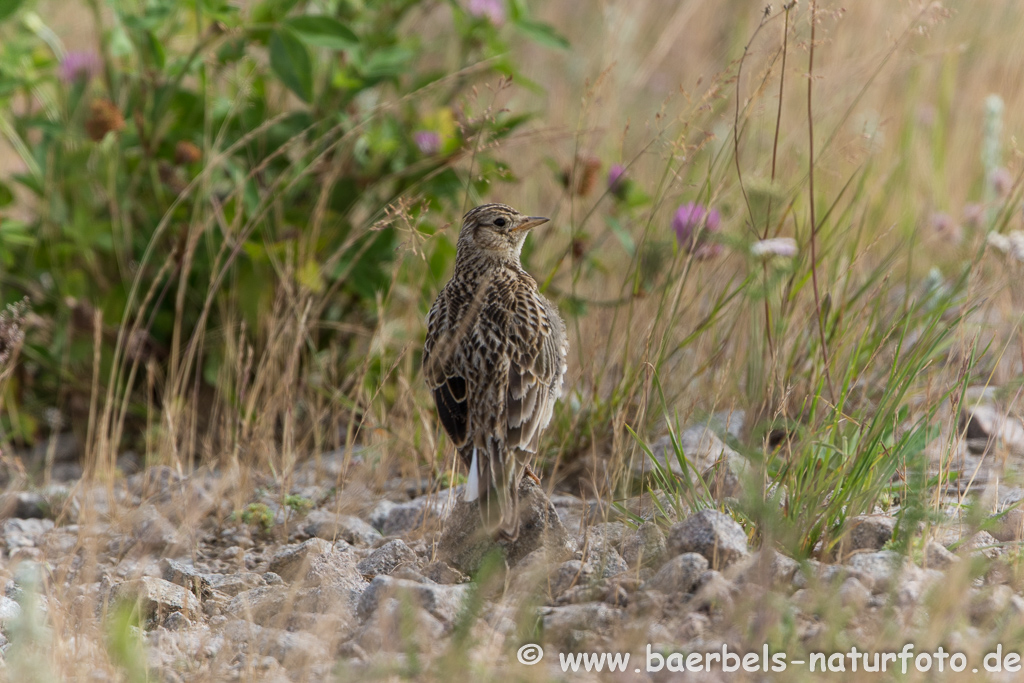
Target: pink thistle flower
428, 141
78, 66
693, 224
492, 10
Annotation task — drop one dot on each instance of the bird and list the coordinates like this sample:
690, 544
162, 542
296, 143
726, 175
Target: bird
494, 359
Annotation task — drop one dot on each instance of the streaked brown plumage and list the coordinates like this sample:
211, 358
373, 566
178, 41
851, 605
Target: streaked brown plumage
494, 359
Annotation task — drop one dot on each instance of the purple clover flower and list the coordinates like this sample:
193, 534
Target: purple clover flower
693, 223
615, 177
492, 10
428, 141
1002, 181
78, 66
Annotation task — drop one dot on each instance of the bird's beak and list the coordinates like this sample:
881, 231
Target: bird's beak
530, 222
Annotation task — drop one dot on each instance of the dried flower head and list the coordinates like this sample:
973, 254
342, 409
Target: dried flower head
104, 117
428, 141
694, 225
492, 10
186, 153
79, 66
782, 247
1002, 181
944, 228
974, 215
581, 178
1010, 244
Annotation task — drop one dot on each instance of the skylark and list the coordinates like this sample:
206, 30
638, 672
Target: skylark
494, 358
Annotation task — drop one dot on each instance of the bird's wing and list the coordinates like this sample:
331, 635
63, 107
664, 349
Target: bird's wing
538, 363
447, 385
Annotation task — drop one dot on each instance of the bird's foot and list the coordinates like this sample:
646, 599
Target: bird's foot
532, 475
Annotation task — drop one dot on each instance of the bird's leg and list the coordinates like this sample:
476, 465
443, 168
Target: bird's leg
532, 475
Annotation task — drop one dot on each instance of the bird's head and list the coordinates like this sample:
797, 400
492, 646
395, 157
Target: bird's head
495, 230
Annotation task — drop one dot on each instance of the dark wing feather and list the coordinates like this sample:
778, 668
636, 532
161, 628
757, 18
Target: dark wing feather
538, 356
447, 386
450, 399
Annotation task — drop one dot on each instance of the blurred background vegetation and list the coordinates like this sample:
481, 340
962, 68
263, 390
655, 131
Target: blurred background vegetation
229, 219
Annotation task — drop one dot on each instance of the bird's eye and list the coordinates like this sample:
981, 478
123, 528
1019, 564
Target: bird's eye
500, 222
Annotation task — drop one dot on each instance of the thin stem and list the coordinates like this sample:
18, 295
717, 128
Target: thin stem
814, 225
736, 121
775, 156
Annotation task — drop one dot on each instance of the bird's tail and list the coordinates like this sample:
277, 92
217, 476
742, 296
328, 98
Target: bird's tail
493, 481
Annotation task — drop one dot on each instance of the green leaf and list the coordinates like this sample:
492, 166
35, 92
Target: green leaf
388, 62
6, 196
625, 239
9, 7
322, 31
542, 34
289, 59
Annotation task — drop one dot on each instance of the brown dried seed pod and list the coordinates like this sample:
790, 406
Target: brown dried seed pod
186, 153
104, 117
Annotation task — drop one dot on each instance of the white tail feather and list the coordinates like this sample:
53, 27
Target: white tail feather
473, 485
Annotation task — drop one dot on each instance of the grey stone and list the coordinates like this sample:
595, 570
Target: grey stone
65, 446
157, 598
714, 592
426, 513
985, 544
444, 603
176, 621
233, 584
24, 533
315, 562
853, 594
868, 532
394, 627
1009, 526
909, 592
387, 558
608, 534
832, 575
152, 531
644, 547
681, 574
938, 557
293, 650
154, 481
186, 576
378, 516
291, 562
332, 526
766, 567
25, 505
279, 605
464, 542
713, 534
442, 573
263, 605
989, 602
9, 611
568, 575
572, 624
986, 426
721, 467
882, 566
608, 563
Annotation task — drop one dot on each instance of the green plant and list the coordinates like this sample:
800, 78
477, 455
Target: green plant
215, 167
300, 505
257, 514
